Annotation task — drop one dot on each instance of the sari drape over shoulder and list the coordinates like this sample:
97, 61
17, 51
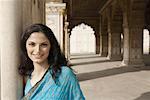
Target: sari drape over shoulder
65, 87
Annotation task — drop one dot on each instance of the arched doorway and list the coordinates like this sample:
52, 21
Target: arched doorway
82, 40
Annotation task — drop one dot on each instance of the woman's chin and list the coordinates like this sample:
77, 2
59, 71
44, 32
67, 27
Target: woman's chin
38, 61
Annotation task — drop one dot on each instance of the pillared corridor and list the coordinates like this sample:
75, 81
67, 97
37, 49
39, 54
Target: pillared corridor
118, 69
102, 79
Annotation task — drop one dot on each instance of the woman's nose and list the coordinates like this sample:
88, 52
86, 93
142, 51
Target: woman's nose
37, 49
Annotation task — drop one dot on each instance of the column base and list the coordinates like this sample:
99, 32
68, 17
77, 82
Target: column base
132, 63
115, 57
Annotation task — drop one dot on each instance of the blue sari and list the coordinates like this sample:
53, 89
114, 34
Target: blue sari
65, 87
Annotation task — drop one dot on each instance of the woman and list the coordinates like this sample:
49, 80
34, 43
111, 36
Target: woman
49, 76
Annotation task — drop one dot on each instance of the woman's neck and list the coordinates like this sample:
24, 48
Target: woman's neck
40, 68
38, 72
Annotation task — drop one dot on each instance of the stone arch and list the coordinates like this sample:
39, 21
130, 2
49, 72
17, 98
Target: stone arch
94, 23
79, 23
82, 39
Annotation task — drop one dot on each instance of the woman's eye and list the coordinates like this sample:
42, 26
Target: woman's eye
31, 44
44, 45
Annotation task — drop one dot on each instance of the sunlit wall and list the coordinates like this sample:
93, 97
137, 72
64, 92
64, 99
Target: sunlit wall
146, 41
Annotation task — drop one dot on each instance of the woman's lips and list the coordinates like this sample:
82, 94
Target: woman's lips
37, 56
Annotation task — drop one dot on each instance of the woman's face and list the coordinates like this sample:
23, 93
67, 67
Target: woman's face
38, 47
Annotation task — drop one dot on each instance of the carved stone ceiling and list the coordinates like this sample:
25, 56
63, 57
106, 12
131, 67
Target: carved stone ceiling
84, 8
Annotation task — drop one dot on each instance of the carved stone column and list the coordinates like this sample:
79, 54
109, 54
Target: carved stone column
132, 46
136, 45
103, 37
54, 19
66, 39
11, 28
114, 52
114, 38
133, 33
126, 53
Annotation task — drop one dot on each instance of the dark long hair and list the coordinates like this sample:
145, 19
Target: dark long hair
56, 58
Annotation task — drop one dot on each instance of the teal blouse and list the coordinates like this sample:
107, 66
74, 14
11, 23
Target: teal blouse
65, 87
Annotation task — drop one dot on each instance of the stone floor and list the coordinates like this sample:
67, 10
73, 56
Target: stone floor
102, 79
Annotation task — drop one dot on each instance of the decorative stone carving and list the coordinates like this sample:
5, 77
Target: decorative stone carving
55, 8
54, 19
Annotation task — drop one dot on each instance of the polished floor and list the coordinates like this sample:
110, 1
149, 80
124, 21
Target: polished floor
102, 79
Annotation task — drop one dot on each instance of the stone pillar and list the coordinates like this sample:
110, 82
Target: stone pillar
97, 36
104, 44
103, 37
114, 50
132, 46
54, 19
114, 38
136, 46
11, 27
66, 39
133, 32
126, 53
68, 46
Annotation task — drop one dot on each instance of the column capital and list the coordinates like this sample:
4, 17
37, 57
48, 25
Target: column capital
54, 8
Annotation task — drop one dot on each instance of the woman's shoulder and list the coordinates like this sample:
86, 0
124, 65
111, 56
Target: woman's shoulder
68, 74
65, 70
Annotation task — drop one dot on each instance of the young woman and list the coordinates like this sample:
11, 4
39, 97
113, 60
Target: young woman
49, 76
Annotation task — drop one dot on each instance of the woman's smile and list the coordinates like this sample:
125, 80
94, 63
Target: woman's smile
37, 56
